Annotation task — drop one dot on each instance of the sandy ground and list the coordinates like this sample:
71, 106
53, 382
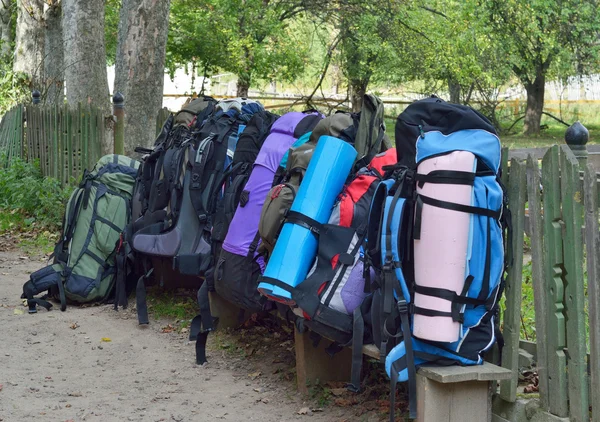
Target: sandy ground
55, 366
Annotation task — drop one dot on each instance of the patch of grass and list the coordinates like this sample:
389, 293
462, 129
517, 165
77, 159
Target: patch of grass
39, 244
180, 306
320, 394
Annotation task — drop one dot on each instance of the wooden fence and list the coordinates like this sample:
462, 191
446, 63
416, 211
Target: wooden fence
63, 140
562, 201
11, 133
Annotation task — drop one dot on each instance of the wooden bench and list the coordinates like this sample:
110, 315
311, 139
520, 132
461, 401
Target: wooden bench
444, 393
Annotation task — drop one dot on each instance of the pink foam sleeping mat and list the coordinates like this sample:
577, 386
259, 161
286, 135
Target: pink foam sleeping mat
441, 252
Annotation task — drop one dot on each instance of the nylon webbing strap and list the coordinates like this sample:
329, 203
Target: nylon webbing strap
410, 363
302, 220
448, 177
202, 325
358, 331
460, 207
140, 298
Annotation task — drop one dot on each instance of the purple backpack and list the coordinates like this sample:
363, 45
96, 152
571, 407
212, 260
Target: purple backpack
239, 265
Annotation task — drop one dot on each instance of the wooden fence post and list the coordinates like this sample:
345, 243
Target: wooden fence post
554, 271
119, 113
512, 314
592, 241
572, 206
538, 275
577, 137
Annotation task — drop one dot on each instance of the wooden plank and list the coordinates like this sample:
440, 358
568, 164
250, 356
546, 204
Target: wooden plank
70, 130
554, 272
315, 366
572, 205
20, 128
538, 275
55, 137
63, 141
512, 314
592, 241
43, 141
455, 373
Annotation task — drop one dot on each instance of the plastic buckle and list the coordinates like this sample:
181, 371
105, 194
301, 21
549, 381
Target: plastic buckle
402, 306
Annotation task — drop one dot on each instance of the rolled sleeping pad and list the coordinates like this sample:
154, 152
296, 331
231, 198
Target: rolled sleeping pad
296, 246
442, 252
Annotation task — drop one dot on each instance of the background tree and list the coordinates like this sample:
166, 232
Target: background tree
5, 28
29, 41
85, 55
140, 67
54, 65
539, 36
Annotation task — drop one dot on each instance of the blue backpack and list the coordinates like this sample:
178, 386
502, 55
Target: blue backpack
436, 243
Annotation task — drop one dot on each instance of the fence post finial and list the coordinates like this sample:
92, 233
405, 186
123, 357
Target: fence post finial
577, 137
36, 96
119, 113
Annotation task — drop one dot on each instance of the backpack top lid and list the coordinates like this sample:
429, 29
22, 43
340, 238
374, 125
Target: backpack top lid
252, 138
187, 115
386, 158
430, 115
284, 131
335, 125
235, 103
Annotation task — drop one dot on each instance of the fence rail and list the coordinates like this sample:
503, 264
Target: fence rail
11, 132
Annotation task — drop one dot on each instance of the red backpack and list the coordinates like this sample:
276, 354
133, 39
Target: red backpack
335, 286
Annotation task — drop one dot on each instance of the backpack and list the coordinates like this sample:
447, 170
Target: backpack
365, 131
335, 286
431, 305
194, 172
281, 196
83, 270
247, 149
239, 264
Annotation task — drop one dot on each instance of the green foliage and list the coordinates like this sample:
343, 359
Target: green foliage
250, 38
165, 304
39, 200
112, 9
539, 36
13, 87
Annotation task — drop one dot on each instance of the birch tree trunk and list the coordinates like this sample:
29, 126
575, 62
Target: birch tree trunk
54, 66
5, 32
140, 67
85, 58
29, 41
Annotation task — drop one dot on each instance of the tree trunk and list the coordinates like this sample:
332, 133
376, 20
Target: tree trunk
85, 58
358, 89
454, 91
243, 85
140, 67
5, 30
54, 66
29, 41
535, 104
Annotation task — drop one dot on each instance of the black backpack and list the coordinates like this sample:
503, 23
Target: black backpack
246, 151
433, 114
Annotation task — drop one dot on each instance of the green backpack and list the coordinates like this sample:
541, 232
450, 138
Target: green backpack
84, 259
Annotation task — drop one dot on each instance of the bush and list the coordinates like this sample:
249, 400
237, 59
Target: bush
24, 191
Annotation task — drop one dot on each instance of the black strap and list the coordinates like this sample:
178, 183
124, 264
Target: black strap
302, 220
202, 325
108, 223
449, 177
358, 331
140, 298
460, 207
32, 303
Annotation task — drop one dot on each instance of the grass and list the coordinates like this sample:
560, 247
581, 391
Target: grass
167, 304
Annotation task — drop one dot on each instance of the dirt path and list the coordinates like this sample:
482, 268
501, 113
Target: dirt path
52, 371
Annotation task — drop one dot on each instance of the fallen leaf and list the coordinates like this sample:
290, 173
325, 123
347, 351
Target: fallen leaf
255, 375
18, 312
75, 325
106, 339
75, 394
338, 391
1, 386
67, 405
167, 329
304, 411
